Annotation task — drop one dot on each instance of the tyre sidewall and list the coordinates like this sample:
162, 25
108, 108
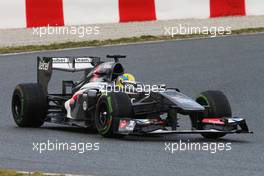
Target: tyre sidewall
118, 106
33, 105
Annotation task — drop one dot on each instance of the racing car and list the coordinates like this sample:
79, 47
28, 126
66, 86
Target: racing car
93, 102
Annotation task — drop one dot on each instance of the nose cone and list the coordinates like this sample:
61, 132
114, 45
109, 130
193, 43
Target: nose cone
182, 101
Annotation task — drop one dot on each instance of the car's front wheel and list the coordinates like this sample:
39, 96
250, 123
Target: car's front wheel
217, 105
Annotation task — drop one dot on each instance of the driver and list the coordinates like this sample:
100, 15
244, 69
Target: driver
125, 79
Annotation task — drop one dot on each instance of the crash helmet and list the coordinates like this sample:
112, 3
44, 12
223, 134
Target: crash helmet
125, 79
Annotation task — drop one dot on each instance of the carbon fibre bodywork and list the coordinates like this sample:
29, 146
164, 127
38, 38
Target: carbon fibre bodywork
154, 112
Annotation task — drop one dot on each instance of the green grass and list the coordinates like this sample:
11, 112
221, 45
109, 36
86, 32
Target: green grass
144, 38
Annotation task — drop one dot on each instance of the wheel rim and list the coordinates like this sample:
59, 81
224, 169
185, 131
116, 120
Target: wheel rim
202, 100
103, 115
17, 107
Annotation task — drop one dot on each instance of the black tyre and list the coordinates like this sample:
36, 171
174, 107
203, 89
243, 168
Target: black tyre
110, 108
218, 107
29, 105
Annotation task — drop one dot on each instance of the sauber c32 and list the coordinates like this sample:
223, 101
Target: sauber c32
88, 103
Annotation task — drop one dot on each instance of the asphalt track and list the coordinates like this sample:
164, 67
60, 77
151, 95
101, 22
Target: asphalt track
232, 64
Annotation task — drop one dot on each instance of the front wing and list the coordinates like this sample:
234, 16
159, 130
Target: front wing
139, 126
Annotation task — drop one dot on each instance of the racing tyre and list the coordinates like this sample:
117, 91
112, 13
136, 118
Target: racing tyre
110, 108
29, 105
218, 107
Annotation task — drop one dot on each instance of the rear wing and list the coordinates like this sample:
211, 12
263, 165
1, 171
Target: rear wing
46, 65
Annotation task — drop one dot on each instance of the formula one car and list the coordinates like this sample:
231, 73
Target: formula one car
93, 102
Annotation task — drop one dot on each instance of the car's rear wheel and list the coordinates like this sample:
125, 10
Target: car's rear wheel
110, 108
29, 105
217, 106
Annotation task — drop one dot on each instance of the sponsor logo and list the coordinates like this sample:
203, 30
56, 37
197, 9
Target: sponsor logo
83, 60
43, 65
126, 125
84, 105
60, 60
